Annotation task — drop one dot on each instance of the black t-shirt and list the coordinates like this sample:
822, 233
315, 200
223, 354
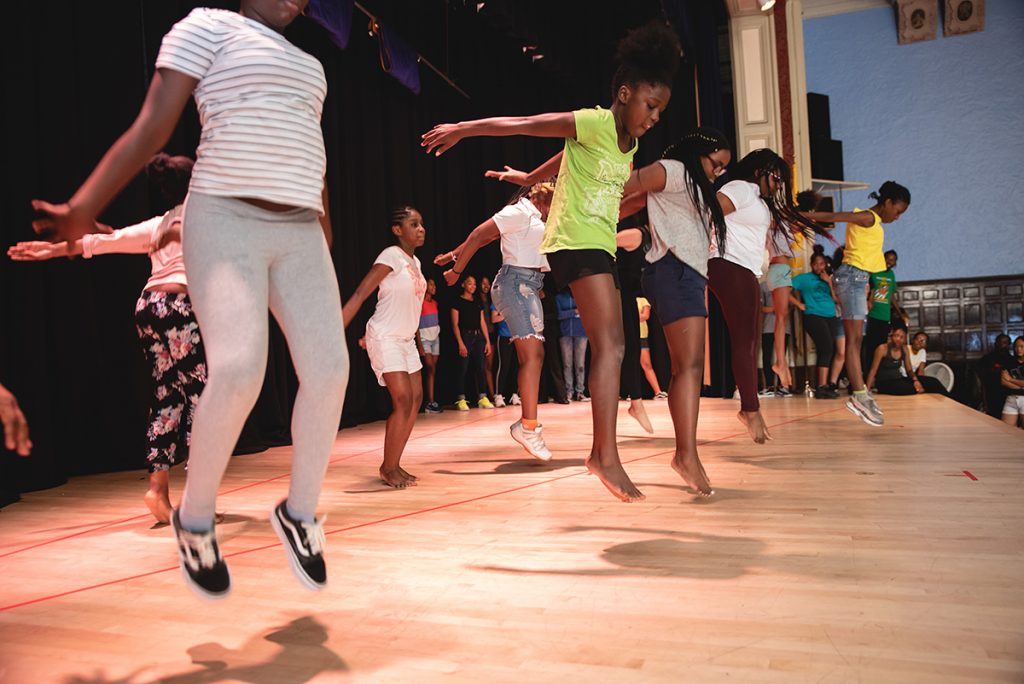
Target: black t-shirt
1016, 371
469, 314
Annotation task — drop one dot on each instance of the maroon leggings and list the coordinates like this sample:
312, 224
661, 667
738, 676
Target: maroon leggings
738, 293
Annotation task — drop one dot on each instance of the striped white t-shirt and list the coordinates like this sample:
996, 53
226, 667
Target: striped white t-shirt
260, 99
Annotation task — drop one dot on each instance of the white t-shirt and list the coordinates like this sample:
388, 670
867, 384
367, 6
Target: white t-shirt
399, 297
159, 237
746, 228
917, 357
260, 99
521, 232
676, 225
779, 245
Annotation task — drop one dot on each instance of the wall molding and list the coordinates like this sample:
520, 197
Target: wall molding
828, 8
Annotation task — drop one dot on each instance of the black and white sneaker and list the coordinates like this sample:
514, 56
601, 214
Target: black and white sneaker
205, 572
304, 545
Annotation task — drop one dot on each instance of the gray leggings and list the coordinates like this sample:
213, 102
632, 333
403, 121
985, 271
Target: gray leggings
240, 260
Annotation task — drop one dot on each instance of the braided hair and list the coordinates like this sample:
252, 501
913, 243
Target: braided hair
698, 143
786, 219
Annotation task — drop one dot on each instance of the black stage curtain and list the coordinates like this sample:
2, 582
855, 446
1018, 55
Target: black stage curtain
75, 75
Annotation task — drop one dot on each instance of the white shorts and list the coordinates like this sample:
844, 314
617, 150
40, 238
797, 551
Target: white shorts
392, 355
1014, 405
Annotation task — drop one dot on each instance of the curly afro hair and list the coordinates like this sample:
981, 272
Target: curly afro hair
648, 54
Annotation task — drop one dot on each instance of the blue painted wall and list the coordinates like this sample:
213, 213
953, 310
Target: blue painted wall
944, 118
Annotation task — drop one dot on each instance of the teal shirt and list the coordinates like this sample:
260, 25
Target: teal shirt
816, 295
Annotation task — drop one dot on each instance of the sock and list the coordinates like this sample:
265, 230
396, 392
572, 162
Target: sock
528, 424
860, 391
295, 516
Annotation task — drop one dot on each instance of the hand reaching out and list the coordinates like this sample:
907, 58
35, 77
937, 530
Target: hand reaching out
509, 174
15, 425
62, 222
451, 277
37, 250
441, 138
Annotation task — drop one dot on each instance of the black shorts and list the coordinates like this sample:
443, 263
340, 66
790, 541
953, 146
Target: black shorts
569, 265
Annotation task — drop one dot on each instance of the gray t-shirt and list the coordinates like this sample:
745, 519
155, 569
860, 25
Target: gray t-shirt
676, 225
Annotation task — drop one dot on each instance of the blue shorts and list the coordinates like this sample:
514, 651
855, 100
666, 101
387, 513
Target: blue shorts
674, 289
851, 285
837, 328
779, 275
516, 295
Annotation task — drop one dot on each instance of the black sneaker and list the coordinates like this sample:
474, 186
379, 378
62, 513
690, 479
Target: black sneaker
304, 545
204, 570
825, 392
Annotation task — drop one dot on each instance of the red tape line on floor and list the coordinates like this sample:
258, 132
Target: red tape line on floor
389, 518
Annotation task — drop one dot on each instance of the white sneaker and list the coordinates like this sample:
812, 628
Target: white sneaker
767, 393
874, 405
531, 440
661, 395
861, 407
499, 401
515, 400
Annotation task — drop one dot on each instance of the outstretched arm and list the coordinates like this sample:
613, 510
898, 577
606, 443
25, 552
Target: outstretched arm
134, 239
861, 218
546, 170
370, 283
168, 93
486, 233
443, 137
650, 178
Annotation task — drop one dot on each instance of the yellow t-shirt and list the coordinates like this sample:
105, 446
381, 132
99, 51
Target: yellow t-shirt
864, 245
641, 302
585, 208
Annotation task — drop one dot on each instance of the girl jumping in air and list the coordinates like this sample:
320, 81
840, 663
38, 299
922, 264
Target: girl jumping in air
685, 217
757, 204
256, 222
579, 238
391, 335
862, 257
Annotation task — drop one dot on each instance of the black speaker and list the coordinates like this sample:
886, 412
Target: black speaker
826, 158
818, 120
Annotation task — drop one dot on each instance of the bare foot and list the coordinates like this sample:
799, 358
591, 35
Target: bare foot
407, 475
755, 425
159, 506
615, 479
785, 377
394, 478
692, 472
639, 413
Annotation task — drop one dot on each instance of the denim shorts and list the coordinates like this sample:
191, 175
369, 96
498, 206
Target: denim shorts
779, 275
851, 285
432, 347
674, 289
837, 328
516, 295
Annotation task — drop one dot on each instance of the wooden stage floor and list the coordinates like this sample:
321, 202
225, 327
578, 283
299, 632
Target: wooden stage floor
837, 553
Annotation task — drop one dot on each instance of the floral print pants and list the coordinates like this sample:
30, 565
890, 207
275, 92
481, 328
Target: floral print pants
172, 346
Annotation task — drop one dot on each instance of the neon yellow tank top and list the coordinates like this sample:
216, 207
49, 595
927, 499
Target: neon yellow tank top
864, 245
